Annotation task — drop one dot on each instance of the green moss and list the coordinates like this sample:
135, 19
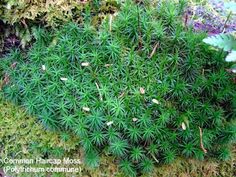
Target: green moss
141, 80
21, 136
18, 145
21, 17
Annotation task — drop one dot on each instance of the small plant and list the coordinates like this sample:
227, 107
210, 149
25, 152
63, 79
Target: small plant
146, 99
227, 42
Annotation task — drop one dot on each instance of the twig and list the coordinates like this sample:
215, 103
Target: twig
154, 50
155, 158
201, 142
5, 81
186, 17
227, 19
110, 23
100, 95
203, 72
121, 95
139, 29
24, 23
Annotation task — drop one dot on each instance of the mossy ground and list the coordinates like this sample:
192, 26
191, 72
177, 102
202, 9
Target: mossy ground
17, 128
212, 89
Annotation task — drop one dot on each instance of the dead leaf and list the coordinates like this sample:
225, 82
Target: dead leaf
108, 65
142, 90
64, 79
43, 67
183, 126
85, 64
155, 101
87, 109
109, 123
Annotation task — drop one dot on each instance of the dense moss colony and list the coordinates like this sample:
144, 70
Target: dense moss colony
142, 87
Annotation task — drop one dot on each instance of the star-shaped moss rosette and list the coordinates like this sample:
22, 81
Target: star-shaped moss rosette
142, 87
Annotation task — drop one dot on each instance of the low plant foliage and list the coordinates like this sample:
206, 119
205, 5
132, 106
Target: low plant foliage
227, 42
142, 87
51, 12
23, 16
26, 139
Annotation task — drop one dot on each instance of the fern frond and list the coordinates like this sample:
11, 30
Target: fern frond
231, 57
223, 41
